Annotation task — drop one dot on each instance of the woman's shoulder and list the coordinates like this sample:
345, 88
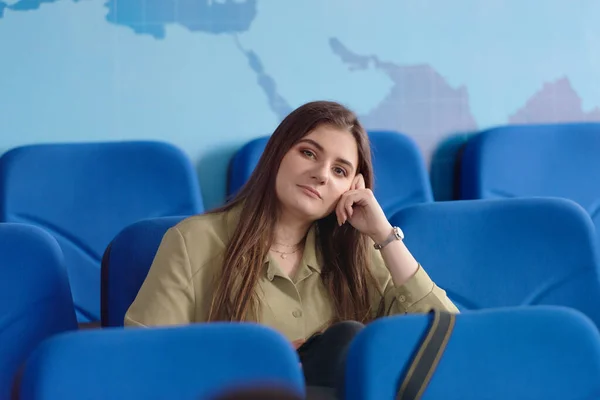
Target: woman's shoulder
212, 226
201, 239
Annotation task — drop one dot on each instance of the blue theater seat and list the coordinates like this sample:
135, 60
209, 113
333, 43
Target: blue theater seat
126, 263
519, 354
35, 298
400, 174
558, 160
507, 252
445, 167
85, 193
401, 177
243, 163
192, 362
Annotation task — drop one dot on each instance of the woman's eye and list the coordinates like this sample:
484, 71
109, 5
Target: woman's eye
339, 171
308, 153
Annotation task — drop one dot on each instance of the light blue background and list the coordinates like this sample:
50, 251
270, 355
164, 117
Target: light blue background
210, 75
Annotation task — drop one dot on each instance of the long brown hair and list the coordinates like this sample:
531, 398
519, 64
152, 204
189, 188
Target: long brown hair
344, 251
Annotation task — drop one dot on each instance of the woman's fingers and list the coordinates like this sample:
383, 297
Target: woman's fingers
339, 210
349, 210
344, 209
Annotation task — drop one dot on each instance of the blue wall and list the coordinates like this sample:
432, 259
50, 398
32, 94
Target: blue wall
210, 75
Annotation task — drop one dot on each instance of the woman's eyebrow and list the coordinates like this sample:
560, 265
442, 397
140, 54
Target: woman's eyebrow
320, 148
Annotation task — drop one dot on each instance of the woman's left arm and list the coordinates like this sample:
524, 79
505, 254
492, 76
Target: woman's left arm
416, 294
396, 256
410, 289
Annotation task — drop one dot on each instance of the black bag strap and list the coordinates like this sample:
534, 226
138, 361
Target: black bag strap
427, 357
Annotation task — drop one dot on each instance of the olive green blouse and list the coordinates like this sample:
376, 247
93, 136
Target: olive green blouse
180, 283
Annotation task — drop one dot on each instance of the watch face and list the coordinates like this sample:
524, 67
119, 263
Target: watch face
398, 232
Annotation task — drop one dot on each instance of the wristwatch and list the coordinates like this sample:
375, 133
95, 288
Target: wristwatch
396, 234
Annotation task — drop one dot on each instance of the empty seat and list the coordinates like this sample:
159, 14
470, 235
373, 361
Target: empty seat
528, 353
507, 252
243, 163
85, 193
400, 174
535, 160
126, 263
35, 298
192, 362
445, 167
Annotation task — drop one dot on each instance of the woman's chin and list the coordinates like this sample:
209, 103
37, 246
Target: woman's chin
309, 212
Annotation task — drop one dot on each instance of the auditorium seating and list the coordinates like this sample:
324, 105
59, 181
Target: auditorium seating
553, 160
519, 354
400, 174
126, 263
35, 298
507, 252
85, 193
81, 223
193, 362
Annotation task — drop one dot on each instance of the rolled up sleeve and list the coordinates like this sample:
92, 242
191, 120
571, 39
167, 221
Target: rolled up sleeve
417, 295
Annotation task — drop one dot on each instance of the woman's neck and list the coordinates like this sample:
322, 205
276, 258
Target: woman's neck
290, 231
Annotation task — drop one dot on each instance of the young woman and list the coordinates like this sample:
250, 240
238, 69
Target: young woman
304, 248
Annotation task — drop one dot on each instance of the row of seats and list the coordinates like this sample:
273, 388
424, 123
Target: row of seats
85, 193
116, 184
484, 253
543, 352
550, 160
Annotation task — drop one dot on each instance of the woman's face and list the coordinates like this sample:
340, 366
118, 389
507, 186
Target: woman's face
316, 171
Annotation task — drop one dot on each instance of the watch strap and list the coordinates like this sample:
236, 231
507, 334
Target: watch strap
394, 235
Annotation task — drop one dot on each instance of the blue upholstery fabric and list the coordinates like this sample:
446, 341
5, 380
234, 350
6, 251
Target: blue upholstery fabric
243, 163
85, 193
192, 362
445, 167
126, 264
400, 174
519, 354
35, 298
507, 252
535, 160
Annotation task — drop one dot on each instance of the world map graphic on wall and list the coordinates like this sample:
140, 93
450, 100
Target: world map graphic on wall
294, 55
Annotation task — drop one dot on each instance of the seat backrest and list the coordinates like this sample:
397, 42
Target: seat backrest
534, 160
507, 252
242, 164
85, 193
517, 354
401, 177
445, 166
35, 298
188, 362
126, 263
